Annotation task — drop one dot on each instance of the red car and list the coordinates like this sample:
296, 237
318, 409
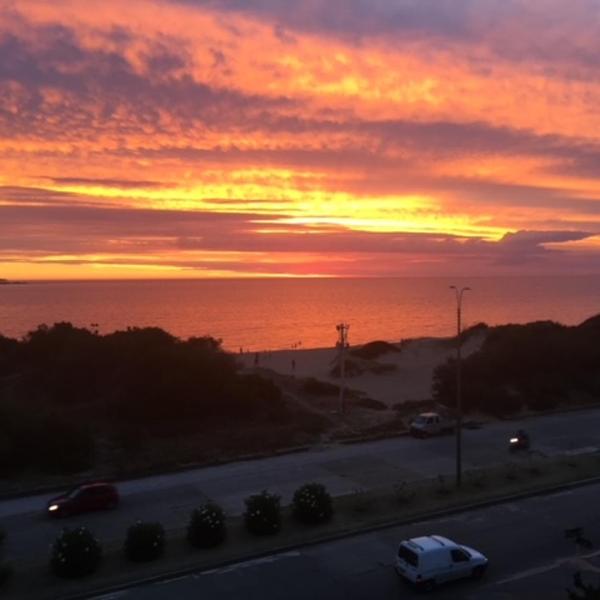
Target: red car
85, 498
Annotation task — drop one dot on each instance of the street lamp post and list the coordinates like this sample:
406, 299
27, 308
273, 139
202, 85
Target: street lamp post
342, 345
459, 296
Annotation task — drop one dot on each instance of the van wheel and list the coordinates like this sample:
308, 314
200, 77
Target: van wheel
478, 572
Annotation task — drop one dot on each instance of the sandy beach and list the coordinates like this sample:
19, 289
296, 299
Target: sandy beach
408, 379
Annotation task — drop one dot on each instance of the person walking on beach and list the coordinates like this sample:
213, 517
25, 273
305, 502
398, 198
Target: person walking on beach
293, 367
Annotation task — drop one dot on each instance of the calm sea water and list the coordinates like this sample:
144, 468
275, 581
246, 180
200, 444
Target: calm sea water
277, 314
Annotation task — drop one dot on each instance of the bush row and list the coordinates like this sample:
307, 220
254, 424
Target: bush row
77, 552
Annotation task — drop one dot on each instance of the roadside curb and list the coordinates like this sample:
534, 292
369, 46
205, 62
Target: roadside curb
332, 537
373, 438
51, 489
555, 411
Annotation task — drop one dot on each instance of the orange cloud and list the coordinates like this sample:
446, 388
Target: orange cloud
394, 120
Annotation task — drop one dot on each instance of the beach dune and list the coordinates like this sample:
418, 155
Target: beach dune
408, 379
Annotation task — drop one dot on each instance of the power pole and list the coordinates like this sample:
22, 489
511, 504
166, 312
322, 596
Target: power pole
342, 345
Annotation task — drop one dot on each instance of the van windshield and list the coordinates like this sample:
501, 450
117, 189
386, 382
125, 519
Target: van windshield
408, 556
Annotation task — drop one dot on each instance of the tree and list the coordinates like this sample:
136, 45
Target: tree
583, 591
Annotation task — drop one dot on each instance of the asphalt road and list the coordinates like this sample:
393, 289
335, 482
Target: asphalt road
344, 468
530, 558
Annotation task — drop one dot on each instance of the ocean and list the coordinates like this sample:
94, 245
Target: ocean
260, 315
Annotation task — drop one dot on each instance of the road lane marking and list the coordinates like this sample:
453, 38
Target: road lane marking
575, 560
173, 579
250, 563
585, 450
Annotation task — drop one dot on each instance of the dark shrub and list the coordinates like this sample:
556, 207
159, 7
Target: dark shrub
63, 447
263, 513
6, 573
542, 403
582, 591
145, 542
370, 404
374, 350
352, 368
312, 504
75, 553
314, 387
207, 526
381, 368
6, 570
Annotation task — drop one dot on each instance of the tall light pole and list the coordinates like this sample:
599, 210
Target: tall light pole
342, 345
459, 296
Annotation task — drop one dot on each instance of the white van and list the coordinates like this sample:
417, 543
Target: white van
430, 560
431, 423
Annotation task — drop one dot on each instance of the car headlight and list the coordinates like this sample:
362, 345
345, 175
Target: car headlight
53, 507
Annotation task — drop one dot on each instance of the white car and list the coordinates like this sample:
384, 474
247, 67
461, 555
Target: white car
429, 560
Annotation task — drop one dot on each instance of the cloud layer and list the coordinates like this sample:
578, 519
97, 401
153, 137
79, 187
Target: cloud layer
192, 137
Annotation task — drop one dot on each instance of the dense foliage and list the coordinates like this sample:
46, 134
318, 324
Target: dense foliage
538, 365
75, 553
207, 527
582, 590
312, 504
6, 573
62, 388
145, 541
374, 350
315, 387
6, 570
263, 513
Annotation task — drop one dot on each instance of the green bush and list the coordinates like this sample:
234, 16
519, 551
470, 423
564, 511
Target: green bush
207, 527
312, 504
145, 542
263, 513
75, 553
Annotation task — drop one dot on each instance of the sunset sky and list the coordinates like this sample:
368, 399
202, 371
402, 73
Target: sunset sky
199, 138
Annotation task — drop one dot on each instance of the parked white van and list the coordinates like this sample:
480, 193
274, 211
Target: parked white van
430, 560
430, 423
